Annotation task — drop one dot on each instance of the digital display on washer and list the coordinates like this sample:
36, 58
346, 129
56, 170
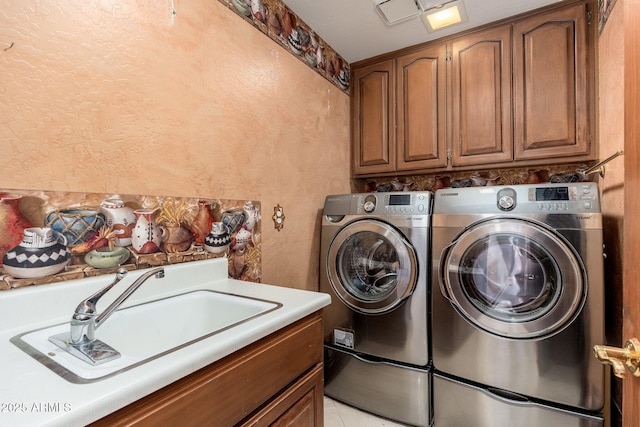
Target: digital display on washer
399, 199
555, 193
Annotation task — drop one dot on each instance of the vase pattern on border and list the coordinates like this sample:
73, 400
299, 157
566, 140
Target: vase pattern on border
36, 205
274, 19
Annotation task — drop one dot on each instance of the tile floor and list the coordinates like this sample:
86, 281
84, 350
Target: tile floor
337, 414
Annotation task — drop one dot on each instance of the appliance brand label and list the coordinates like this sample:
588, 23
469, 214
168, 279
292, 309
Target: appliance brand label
448, 194
344, 338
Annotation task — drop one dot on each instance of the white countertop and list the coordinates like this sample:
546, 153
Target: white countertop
33, 395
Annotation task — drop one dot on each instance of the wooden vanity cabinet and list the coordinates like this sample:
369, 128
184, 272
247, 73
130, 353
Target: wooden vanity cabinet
277, 381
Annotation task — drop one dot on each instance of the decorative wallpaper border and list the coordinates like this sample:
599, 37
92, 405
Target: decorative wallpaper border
604, 9
445, 179
278, 22
243, 217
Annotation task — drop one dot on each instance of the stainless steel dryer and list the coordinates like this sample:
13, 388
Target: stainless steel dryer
518, 305
375, 265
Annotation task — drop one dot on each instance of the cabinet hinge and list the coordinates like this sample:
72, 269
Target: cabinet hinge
589, 17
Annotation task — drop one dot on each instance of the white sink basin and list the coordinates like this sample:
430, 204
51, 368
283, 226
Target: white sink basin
147, 331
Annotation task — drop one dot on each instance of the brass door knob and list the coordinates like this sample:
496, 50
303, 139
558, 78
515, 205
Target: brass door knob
619, 358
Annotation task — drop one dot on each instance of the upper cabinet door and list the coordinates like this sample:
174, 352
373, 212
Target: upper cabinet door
421, 113
551, 114
481, 98
373, 115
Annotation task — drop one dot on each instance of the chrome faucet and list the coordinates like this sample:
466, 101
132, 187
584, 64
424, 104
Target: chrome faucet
81, 340
86, 320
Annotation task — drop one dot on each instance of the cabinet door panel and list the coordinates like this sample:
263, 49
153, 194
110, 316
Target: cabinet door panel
550, 85
421, 92
481, 98
301, 405
374, 121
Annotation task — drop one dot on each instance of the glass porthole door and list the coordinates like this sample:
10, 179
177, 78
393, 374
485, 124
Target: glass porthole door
371, 266
513, 278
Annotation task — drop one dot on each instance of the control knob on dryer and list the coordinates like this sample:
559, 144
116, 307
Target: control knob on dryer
506, 203
369, 206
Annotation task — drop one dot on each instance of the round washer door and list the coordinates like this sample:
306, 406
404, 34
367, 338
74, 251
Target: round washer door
513, 278
371, 266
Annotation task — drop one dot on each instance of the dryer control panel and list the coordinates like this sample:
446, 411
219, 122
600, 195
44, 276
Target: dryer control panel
395, 203
577, 197
564, 198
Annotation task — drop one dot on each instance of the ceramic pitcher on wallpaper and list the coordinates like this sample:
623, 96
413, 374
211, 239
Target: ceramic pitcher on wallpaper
147, 236
121, 218
251, 215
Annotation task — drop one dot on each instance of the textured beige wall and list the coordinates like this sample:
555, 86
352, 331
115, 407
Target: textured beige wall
611, 139
611, 110
122, 97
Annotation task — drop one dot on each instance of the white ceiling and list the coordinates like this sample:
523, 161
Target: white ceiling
354, 29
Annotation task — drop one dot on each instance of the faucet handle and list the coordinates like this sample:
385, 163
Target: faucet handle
87, 307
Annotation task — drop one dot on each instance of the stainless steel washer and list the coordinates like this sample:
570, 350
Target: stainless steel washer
517, 304
375, 265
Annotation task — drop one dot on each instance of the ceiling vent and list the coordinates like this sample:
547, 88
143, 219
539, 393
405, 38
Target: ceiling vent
434, 14
395, 11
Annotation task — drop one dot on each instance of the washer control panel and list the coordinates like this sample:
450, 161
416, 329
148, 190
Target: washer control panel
398, 203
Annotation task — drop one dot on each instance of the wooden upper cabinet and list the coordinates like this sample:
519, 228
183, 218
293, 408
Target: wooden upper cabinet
513, 93
421, 113
481, 118
551, 115
374, 119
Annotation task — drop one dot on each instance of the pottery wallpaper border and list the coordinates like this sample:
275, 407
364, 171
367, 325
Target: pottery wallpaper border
507, 176
48, 237
278, 22
604, 10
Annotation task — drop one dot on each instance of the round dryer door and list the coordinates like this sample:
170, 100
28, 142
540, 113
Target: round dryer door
513, 278
371, 266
